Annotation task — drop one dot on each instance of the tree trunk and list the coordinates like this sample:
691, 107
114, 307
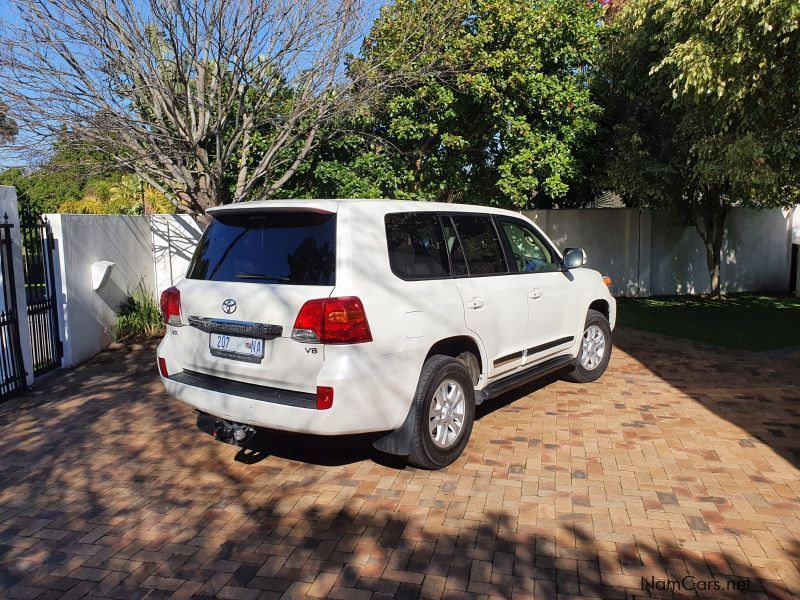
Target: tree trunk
207, 193
713, 260
711, 227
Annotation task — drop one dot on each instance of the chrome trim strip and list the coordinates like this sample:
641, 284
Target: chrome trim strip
240, 328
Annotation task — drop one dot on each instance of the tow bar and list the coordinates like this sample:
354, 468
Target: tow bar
229, 432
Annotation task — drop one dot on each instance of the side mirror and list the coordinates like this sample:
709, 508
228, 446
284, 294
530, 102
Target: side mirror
574, 258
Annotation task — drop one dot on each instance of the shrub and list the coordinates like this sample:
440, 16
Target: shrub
121, 195
139, 315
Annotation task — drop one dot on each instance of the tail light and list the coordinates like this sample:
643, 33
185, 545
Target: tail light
162, 367
171, 306
332, 321
324, 397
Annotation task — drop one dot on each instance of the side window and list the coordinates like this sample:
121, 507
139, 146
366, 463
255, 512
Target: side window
480, 244
417, 247
531, 254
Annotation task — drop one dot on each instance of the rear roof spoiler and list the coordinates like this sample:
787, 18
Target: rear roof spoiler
314, 206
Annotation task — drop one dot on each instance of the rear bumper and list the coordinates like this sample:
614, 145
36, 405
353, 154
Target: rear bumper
246, 390
261, 413
371, 394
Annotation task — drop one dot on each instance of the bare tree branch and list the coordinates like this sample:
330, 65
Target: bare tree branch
211, 101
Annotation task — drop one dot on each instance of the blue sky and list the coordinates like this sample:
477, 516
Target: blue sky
7, 158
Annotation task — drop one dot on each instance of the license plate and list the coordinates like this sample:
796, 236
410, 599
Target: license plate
249, 348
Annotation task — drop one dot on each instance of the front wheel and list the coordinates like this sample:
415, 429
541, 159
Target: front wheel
595, 352
445, 401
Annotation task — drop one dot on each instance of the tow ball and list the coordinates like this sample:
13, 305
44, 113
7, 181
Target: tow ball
229, 432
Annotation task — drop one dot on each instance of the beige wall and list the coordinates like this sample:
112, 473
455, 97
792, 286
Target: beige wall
654, 253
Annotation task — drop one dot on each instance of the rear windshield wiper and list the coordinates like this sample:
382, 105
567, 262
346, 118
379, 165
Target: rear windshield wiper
262, 276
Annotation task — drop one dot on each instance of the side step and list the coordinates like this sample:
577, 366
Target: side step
502, 386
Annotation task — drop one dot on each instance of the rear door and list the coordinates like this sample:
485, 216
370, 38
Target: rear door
250, 275
494, 306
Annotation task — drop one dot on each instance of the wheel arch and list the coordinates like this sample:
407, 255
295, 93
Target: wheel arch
455, 345
399, 441
601, 306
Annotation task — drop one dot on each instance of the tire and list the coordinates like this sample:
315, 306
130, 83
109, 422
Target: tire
472, 364
588, 369
442, 376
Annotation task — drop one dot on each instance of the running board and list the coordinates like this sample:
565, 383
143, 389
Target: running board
506, 384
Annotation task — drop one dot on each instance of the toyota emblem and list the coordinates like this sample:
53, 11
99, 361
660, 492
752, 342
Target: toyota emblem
229, 306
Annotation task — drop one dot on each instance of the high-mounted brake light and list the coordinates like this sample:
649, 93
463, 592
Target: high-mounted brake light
171, 306
332, 321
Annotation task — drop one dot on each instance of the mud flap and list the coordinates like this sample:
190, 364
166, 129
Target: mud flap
399, 441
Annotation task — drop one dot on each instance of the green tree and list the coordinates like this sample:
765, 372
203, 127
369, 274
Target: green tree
499, 119
118, 194
63, 177
702, 101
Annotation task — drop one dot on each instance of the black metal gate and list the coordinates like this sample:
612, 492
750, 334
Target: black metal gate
40, 292
12, 369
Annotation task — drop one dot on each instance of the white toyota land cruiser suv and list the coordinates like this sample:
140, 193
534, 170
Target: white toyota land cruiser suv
337, 317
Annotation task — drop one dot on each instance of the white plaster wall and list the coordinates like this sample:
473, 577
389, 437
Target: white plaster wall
174, 240
757, 253
677, 257
611, 239
89, 316
655, 253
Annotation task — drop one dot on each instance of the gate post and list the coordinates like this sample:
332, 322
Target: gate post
8, 206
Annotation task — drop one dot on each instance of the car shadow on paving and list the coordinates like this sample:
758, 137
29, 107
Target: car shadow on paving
673, 465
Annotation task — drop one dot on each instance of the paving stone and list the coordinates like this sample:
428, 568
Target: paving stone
682, 459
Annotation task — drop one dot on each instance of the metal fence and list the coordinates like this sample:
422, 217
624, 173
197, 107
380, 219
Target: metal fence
40, 292
12, 370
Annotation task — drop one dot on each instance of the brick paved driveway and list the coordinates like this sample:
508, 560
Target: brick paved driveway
681, 461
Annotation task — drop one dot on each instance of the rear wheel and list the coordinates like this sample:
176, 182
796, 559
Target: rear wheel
595, 352
445, 401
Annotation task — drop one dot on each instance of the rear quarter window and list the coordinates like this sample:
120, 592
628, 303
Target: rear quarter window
293, 248
417, 248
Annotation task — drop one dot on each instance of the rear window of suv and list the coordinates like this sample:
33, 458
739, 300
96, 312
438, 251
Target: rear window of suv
294, 248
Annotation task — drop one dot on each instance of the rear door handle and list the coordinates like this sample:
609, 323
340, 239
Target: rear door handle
535, 294
476, 303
